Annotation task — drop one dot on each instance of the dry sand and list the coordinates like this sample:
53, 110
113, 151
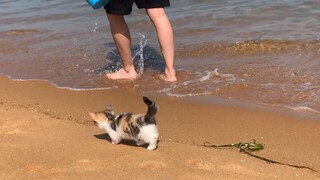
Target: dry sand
46, 133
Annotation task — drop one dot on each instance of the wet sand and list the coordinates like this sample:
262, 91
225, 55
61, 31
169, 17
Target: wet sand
46, 133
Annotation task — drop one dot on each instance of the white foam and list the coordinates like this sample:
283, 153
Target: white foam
206, 76
229, 77
302, 109
60, 87
216, 73
188, 95
186, 83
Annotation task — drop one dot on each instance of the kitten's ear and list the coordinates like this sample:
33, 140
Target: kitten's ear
92, 115
110, 110
109, 113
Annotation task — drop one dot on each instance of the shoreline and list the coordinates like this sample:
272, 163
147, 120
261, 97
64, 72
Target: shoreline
35, 111
214, 100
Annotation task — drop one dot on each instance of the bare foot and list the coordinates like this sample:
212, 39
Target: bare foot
168, 78
122, 74
169, 75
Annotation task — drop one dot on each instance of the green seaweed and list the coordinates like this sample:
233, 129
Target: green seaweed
249, 147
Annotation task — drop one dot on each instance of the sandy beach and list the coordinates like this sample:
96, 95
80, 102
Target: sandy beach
245, 69
46, 133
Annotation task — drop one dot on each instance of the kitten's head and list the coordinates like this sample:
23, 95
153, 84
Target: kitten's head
102, 117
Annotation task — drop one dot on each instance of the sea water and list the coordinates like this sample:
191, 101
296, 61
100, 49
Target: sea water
258, 51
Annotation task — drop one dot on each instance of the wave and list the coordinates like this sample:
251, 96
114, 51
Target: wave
250, 47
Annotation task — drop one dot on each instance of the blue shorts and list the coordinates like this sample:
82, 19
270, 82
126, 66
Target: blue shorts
124, 7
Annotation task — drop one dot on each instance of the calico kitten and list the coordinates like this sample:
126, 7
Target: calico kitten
141, 128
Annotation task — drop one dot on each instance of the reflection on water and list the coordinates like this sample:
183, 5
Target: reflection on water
258, 51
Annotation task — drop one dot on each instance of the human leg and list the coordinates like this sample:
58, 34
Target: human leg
121, 36
166, 40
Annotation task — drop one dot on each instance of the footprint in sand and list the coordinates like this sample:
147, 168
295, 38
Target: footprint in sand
82, 165
90, 165
39, 169
236, 168
154, 165
34, 168
15, 131
199, 164
11, 129
14, 127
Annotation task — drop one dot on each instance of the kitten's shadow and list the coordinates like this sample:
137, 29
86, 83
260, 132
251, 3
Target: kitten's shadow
105, 136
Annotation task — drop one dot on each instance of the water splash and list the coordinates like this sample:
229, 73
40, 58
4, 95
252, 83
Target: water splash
95, 27
114, 60
75, 41
139, 52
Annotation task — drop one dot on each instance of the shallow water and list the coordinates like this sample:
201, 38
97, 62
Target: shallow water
257, 51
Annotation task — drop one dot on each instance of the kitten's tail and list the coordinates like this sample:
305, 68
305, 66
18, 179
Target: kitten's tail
152, 109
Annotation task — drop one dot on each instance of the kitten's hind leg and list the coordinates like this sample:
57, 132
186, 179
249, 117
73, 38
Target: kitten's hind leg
140, 142
152, 145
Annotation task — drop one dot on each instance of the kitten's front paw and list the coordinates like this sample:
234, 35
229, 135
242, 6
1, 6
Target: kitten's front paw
115, 141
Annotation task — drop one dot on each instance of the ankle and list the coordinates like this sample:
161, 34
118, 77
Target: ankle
129, 69
170, 71
170, 74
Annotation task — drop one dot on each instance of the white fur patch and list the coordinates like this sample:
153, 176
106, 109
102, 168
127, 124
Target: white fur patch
148, 134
